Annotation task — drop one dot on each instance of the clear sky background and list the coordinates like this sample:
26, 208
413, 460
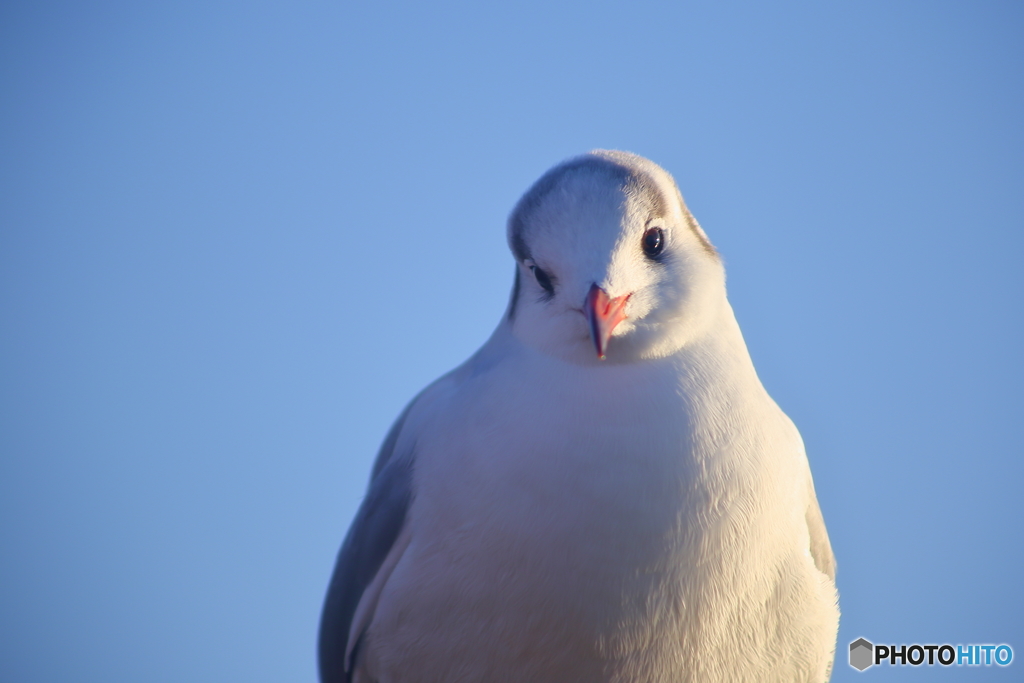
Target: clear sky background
235, 239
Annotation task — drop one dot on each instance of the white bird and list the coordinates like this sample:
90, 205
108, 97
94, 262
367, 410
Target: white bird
604, 492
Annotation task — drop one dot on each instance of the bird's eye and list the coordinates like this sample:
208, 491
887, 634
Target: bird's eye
544, 280
653, 242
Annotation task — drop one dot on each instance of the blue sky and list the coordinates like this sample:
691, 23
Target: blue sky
236, 238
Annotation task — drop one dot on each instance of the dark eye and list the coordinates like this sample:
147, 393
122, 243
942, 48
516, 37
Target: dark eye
544, 280
653, 242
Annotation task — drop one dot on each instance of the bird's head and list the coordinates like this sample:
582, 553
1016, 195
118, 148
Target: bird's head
611, 265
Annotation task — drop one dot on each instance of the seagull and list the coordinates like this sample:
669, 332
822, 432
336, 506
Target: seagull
604, 492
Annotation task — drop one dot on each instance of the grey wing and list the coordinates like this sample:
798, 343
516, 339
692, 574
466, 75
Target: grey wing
374, 531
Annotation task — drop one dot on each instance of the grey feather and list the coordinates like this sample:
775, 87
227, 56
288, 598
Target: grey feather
373, 532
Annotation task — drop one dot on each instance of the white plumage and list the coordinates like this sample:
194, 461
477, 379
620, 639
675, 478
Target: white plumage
604, 491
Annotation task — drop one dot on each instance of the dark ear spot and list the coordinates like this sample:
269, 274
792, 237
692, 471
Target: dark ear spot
515, 296
701, 237
691, 223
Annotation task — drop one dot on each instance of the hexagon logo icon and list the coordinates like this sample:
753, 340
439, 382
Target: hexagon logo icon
861, 652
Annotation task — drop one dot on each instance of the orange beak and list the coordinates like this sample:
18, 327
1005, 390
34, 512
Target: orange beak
603, 314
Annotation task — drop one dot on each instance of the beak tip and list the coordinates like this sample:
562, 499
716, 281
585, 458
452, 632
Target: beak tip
603, 314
